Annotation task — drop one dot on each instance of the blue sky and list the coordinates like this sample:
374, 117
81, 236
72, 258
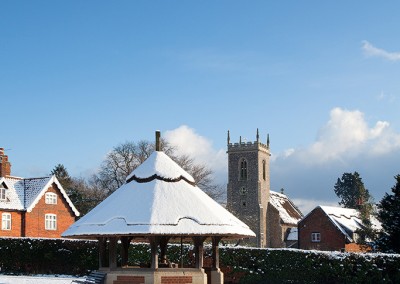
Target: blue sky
322, 78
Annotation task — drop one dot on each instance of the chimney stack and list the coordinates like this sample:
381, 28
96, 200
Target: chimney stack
158, 142
5, 165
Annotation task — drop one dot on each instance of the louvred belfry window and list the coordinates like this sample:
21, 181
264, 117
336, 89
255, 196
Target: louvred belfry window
243, 169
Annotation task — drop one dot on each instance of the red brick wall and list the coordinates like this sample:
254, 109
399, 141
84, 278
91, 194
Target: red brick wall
35, 220
5, 165
176, 279
16, 218
317, 222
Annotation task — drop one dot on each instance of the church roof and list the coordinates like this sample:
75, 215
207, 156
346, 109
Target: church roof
159, 198
288, 212
24, 193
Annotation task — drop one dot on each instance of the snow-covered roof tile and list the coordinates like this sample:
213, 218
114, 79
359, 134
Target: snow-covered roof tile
288, 212
347, 220
14, 193
164, 205
25, 193
34, 188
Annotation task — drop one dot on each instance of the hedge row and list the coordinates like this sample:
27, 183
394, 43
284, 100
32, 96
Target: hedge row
299, 266
47, 256
251, 265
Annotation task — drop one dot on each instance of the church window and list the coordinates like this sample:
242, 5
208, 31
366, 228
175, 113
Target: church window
315, 237
244, 203
263, 168
243, 169
243, 190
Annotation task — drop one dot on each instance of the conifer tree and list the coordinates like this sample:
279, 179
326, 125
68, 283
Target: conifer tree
350, 188
62, 175
389, 215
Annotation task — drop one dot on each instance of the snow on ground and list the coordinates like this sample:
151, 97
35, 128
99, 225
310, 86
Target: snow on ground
39, 279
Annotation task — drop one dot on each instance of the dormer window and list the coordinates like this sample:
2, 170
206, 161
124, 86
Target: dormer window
243, 169
51, 198
2, 193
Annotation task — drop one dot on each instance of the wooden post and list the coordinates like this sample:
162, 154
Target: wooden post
154, 252
125, 241
199, 251
102, 252
215, 252
163, 249
112, 245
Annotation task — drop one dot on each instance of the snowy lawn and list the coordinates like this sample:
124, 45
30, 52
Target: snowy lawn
38, 279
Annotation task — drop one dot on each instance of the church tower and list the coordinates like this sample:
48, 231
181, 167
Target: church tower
249, 185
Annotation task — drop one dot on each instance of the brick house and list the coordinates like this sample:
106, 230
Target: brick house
33, 207
331, 229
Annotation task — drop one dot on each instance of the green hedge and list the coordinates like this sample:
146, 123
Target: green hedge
251, 265
300, 266
47, 256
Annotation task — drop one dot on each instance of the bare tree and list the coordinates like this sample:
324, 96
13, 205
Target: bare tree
126, 157
202, 175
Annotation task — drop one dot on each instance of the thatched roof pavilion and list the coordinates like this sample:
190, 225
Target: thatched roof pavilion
159, 202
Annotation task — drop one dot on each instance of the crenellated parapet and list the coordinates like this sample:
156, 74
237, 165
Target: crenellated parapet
248, 146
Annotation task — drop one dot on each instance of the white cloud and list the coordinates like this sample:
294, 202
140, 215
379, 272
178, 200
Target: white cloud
346, 143
188, 142
345, 136
370, 50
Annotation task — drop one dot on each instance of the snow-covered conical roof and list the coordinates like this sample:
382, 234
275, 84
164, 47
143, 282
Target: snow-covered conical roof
159, 198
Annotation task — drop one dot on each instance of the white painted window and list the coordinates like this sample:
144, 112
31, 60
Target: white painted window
6, 221
51, 198
2, 193
315, 237
51, 222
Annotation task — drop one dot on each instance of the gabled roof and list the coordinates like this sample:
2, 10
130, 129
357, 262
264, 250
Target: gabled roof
25, 193
288, 212
159, 198
346, 220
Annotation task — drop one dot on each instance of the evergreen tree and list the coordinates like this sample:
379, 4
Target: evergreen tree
389, 215
350, 189
62, 175
353, 194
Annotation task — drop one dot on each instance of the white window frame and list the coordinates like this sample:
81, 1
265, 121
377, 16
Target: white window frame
50, 198
50, 222
2, 193
6, 221
316, 237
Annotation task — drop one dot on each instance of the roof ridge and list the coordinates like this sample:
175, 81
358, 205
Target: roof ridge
33, 178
